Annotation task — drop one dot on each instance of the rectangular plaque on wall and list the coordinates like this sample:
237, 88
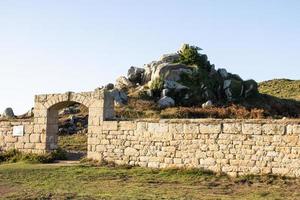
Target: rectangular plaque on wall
18, 131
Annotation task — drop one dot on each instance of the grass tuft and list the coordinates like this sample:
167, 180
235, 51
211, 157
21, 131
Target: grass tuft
13, 156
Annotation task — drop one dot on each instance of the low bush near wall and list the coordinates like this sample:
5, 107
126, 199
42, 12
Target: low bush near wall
14, 155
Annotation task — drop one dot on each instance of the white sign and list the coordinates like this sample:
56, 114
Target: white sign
18, 131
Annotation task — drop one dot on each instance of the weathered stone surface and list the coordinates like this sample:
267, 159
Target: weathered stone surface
252, 129
232, 128
110, 125
166, 102
191, 128
207, 104
135, 74
122, 83
273, 129
169, 58
174, 86
169, 71
35, 138
235, 147
158, 128
210, 128
109, 86
293, 129
119, 96
9, 113
213, 145
131, 152
127, 125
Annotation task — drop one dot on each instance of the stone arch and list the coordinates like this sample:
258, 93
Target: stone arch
68, 97
99, 103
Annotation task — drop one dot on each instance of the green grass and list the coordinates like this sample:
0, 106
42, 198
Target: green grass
281, 88
27, 181
13, 155
76, 142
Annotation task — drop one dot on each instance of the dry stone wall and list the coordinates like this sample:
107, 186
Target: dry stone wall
40, 132
29, 142
235, 147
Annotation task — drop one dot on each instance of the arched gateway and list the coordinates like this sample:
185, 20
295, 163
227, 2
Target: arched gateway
100, 105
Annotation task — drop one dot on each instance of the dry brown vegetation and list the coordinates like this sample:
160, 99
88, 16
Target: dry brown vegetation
256, 107
138, 108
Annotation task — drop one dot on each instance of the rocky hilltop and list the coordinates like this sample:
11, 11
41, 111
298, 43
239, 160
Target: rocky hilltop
184, 78
185, 84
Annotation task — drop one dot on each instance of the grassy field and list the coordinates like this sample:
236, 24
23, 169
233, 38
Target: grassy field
76, 142
28, 181
281, 88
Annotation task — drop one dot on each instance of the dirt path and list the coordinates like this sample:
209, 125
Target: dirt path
5, 190
64, 163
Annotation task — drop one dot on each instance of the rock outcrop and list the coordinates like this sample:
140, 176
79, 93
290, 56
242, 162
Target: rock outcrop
165, 102
135, 75
185, 78
8, 113
123, 83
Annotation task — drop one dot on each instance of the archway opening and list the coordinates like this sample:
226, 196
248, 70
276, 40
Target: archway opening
67, 129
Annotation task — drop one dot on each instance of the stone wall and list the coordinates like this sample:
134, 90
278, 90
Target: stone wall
40, 132
29, 142
235, 147
99, 103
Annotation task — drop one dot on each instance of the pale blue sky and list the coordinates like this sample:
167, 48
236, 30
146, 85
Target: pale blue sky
77, 45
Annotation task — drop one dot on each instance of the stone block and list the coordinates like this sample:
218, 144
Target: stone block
273, 129
141, 127
40, 146
207, 162
131, 152
127, 125
191, 128
19, 145
153, 165
38, 129
232, 128
101, 148
168, 160
177, 161
252, 129
10, 139
94, 120
176, 128
158, 127
219, 155
280, 171
28, 129
93, 141
227, 169
29, 145
94, 155
210, 128
293, 129
167, 136
110, 125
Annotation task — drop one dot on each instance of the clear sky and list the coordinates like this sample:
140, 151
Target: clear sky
54, 46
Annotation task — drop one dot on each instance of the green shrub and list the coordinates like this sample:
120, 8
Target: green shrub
14, 155
10, 155
190, 55
36, 158
157, 86
59, 154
